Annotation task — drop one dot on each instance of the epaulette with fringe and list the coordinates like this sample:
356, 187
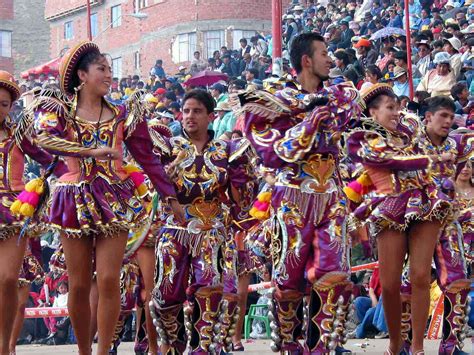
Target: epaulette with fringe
48, 99
262, 103
136, 110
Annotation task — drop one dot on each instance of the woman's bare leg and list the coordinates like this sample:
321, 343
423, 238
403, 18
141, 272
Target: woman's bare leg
78, 254
422, 241
242, 292
109, 258
146, 261
94, 301
392, 248
23, 293
12, 251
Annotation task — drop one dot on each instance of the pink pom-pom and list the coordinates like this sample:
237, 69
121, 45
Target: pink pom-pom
23, 196
32, 198
261, 206
356, 186
137, 178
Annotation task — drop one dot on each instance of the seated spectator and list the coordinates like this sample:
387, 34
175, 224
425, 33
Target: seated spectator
440, 80
460, 94
258, 327
372, 76
58, 326
158, 70
167, 118
225, 119
219, 92
373, 318
400, 82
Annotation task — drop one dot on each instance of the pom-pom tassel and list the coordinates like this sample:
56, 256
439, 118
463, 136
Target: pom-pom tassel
28, 200
137, 178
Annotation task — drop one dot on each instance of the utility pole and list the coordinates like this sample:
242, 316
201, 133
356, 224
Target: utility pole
276, 37
89, 25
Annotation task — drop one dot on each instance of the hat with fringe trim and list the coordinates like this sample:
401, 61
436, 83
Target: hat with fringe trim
7, 81
69, 63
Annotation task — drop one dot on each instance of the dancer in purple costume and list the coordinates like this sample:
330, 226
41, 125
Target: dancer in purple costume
215, 183
449, 256
14, 145
95, 204
308, 207
407, 211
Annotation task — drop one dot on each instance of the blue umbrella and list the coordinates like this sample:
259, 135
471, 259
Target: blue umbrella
387, 32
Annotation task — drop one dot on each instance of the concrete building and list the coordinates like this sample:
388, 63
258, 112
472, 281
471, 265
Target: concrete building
138, 32
24, 35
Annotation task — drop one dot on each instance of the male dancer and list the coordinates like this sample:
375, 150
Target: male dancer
308, 206
215, 184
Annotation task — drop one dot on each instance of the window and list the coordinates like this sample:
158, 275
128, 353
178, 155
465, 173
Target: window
139, 4
238, 35
117, 67
68, 30
137, 60
214, 40
116, 16
184, 47
94, 25
5, 44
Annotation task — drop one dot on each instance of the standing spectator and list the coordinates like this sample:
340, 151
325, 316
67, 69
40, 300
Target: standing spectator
452, 46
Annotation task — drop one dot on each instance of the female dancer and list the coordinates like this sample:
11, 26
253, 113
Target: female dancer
465, 197
95, 204
407, 211
13, 147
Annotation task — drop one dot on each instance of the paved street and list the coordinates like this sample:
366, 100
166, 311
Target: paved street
255, 347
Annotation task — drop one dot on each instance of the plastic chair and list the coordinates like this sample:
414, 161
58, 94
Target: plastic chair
252, 315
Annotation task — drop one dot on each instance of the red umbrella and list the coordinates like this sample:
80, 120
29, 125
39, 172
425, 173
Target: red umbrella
206, 78
48, 68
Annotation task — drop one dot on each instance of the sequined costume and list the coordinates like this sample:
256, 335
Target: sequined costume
401, 175
449, 256
308, 213
31, 269
95, 196
216, 189
12, 165
129, 283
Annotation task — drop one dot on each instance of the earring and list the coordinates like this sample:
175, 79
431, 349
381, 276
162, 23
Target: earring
79, 88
